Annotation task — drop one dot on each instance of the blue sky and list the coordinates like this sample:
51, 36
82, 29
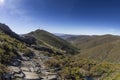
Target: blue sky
62, 16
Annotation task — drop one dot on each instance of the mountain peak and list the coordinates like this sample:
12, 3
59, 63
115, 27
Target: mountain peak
5, 28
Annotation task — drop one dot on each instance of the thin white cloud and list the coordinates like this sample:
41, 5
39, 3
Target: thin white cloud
13, 10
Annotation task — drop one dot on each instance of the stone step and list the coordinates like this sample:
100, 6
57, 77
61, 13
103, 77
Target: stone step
31, 76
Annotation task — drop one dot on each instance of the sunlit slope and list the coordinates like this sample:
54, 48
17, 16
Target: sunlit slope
102, 48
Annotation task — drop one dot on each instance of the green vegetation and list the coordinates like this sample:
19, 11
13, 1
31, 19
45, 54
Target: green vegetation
78, 68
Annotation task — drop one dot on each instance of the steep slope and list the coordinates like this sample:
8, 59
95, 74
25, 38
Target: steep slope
46, 39
10, 48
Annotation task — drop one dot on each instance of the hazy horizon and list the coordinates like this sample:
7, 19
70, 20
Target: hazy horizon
79, 17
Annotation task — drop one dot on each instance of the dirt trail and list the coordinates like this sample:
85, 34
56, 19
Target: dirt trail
32, 69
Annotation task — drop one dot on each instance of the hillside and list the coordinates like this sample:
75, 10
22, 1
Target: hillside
102, 48
46, 39
64, 36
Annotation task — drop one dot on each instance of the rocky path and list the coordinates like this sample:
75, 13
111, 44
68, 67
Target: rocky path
32, 69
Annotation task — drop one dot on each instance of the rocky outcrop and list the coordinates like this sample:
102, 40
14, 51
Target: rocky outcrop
27, 39
8, 31
43, 49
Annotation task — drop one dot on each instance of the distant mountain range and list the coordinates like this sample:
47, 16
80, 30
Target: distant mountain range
64, 36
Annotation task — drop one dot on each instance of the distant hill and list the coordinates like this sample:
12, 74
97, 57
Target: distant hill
102, 48
46, 39
64, 36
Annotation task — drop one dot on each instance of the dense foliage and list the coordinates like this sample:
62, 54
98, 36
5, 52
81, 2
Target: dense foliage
75, 68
